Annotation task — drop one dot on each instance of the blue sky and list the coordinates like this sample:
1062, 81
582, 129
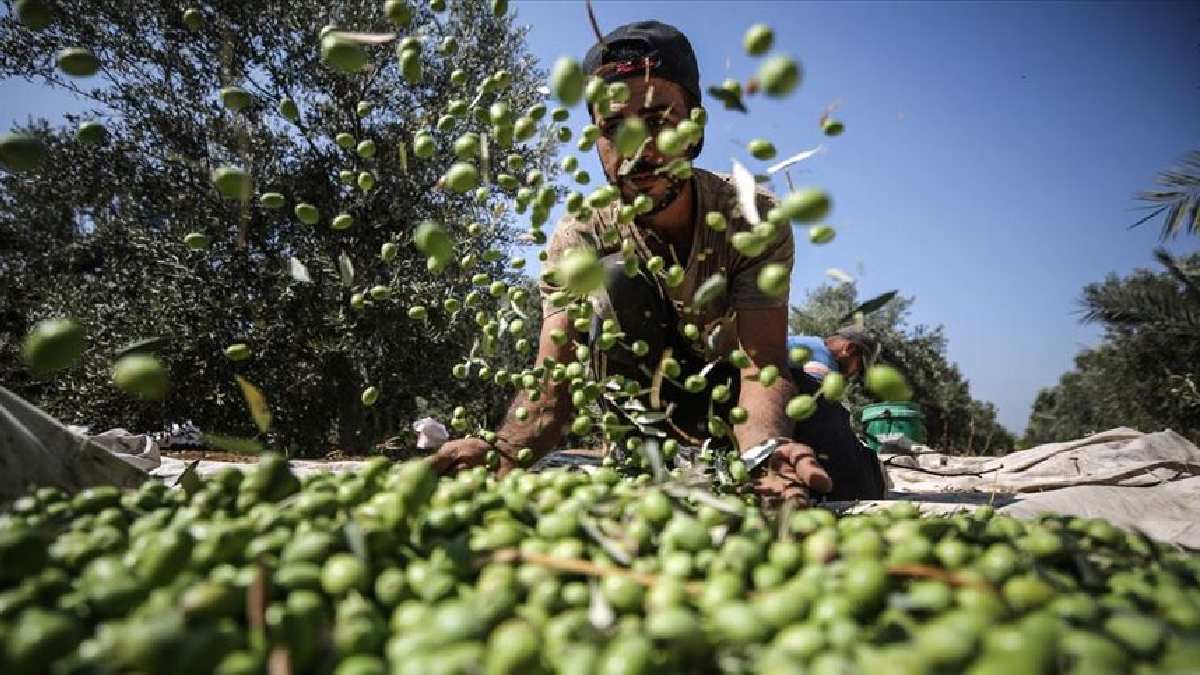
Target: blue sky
991, 153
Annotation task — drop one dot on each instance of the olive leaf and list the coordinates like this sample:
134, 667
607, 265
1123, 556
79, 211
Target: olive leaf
743, 180
731, 100
256, 402
298, 271
795, 159
346, 269
839, 275
189, 480
869, 306
710, 291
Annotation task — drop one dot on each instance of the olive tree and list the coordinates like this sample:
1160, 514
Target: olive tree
98, 232
1145, 373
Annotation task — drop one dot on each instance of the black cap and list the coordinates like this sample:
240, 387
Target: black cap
669, 52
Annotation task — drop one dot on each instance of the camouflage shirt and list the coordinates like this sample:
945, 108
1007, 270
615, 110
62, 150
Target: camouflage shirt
711, 253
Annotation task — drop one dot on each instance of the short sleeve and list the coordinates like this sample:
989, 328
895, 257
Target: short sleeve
569, 233
745, 291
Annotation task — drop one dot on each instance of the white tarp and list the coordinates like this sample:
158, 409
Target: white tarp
1118, 456
1148, 482
37, 450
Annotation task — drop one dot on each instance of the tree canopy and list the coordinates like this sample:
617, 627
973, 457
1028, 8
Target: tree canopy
1145, 373
98, 233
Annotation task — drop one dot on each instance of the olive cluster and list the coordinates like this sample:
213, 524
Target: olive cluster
390, 570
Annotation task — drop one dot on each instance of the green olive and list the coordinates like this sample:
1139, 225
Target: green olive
761, 149
820, 234
462, 177
779, 75
77, 62
758, 39
307, 214
141, 375
567, 81
91, 133
398, 12
801, 407
35, 15
53, 344
806, 205
236, 98
21, 152
343, 54
887, 383
239, 351
774, 279
233, 182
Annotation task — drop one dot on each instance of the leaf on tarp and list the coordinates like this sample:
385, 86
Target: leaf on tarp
346, 269
298, 271
839, 275
256, 402
189, 480
234, 444
795, 159
743, 180
402, 152
871, 305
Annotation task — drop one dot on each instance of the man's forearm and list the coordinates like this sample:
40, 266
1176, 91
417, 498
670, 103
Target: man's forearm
542, 428
766, 411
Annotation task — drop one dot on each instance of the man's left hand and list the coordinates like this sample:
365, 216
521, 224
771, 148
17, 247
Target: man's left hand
792, 473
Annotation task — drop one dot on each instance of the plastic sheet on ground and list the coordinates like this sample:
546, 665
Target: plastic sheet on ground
37, 450
1149, 482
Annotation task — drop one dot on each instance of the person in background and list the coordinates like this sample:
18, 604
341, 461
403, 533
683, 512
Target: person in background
852, 467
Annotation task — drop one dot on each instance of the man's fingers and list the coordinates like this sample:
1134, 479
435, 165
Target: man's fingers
803, 467
442, 459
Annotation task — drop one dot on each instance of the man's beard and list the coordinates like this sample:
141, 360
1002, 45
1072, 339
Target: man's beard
673, 191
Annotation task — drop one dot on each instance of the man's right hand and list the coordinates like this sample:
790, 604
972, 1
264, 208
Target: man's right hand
464, 453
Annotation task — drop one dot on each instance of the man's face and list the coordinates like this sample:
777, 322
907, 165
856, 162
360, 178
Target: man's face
848, 357
667, 106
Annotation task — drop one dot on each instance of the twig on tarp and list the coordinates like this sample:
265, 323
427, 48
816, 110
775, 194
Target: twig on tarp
928, 572
584, 567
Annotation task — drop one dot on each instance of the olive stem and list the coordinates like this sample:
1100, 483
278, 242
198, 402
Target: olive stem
583, 567
929, 572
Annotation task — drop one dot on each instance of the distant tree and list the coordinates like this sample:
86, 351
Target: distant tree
1145, 373
1177, 199
955, 422
97, 232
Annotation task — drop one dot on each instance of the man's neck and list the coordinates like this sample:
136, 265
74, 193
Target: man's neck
674, 224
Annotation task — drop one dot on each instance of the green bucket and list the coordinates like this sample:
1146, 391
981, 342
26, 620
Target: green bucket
883, 422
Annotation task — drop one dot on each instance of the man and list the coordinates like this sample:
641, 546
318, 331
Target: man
658, 65
854, 469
